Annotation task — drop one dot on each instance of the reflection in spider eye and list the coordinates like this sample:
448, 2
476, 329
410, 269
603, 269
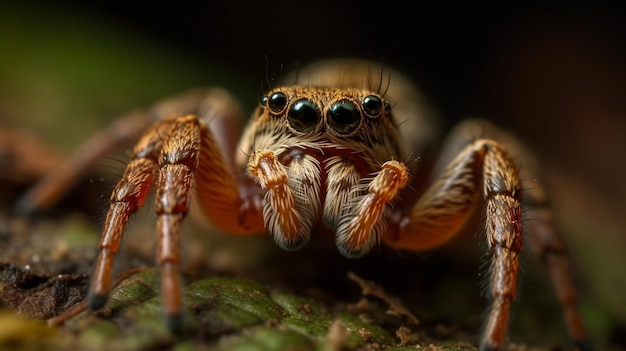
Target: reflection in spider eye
344, 117
372, 105
276, 102
304, 115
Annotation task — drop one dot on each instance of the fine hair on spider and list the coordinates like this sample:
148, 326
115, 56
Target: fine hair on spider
325, 148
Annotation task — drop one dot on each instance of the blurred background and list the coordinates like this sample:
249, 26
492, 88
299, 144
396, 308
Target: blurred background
553, 73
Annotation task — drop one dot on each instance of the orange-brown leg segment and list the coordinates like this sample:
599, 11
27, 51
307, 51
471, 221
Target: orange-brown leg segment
548, 245
541, 234
482, 167
178, 155
177, 163
227, 198
171, 152
545, 242
502, 191
127, 198
216, 104
50, 189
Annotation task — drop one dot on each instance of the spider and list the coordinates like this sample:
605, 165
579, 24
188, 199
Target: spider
336, 146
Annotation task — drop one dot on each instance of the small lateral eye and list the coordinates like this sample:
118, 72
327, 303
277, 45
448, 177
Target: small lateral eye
303, 115
276, 102
372, 105
344, 117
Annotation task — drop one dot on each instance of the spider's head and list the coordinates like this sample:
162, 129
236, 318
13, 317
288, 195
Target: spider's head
337, 113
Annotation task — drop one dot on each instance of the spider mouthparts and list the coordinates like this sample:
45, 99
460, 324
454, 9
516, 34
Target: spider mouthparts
97, 301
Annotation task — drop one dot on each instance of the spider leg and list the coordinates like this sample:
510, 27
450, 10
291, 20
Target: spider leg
173, 147
121, 132
127, 197
178, 155
484, 166
444, 208
547, 244
541, 233
227, 199
50, 189
177, 163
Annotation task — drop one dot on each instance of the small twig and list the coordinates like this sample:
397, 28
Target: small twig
82, 306
396, 307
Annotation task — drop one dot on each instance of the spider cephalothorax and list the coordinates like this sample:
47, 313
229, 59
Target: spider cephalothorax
325, 145
326, 150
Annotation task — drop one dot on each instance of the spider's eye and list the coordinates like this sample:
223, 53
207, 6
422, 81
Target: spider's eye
304, 115
372, 105
276, 102
344, 117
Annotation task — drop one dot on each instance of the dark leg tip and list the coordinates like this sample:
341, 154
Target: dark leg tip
174, 323
23, 207
584, 345
488, 348
97, 301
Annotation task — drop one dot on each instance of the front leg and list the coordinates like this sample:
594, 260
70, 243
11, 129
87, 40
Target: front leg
165, 158
177, 163
482, 167
178, 156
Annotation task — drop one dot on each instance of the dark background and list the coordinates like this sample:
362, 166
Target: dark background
539, 68
448, 47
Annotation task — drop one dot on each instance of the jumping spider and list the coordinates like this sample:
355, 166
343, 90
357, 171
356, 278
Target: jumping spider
335, 146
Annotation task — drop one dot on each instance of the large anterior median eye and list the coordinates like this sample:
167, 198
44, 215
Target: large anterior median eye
344, 117
304, 115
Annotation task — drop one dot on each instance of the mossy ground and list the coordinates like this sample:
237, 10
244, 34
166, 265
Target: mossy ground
226, 308
239, 294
